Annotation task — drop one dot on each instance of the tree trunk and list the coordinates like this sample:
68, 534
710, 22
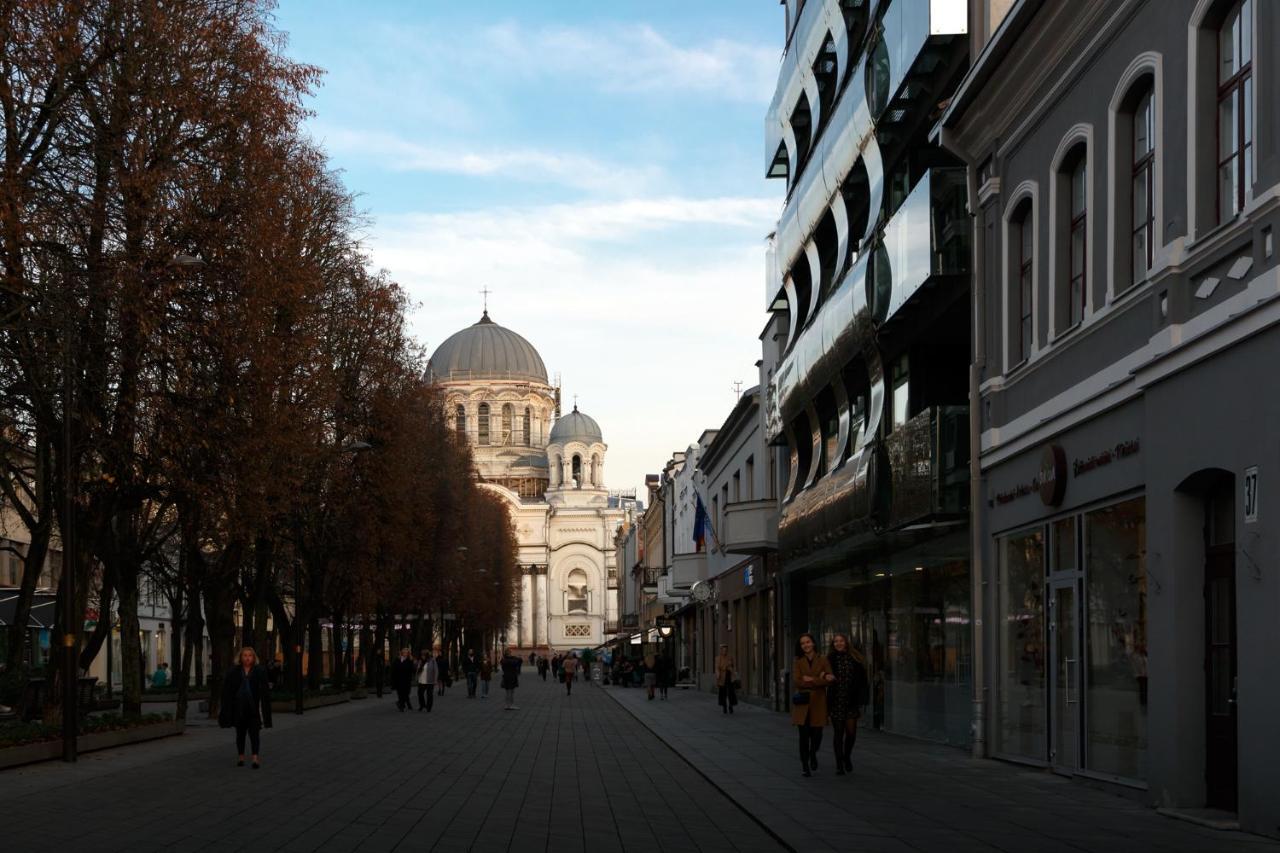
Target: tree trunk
219, 603
366, 651
131, 666
315, 653
102, 630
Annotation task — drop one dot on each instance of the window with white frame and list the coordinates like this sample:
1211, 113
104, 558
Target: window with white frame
1235, 108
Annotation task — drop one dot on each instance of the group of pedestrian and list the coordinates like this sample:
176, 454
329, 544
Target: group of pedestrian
430, 672
828, 687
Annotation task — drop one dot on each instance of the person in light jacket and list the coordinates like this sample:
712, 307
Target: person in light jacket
246, 703
725, 668
569, 666
810, 675
428, 675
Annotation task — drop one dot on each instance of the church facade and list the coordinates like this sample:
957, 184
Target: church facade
550, 471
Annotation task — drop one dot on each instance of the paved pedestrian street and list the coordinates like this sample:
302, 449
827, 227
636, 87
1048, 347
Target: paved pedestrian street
909, 795
560, 774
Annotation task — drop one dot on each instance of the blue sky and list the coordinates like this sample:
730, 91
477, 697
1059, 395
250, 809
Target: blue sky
597, 165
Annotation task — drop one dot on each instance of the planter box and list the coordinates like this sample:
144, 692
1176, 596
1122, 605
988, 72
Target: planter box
30, 753
284, 706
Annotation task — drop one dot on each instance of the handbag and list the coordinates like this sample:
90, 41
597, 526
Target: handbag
800, 697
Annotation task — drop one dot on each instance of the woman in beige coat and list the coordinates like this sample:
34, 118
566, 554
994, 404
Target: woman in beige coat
724, 680
810, 675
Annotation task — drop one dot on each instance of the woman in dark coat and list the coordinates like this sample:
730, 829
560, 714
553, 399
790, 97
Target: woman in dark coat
246, 703
846, 697
510, 665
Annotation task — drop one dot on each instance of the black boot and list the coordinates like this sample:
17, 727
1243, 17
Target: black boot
804, 767
839, 765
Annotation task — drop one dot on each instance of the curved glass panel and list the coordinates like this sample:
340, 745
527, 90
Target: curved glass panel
877, 78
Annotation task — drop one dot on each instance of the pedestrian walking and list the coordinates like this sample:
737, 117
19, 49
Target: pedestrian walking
402, 678
650, 674
510, 665
810, 675
569, 666
847, 695
428, 675
486, 674
726, 686
246, 704
442, 668
555, 667
471, 669
666, 673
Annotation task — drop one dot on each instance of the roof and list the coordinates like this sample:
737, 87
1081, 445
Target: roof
576, 426
486, 350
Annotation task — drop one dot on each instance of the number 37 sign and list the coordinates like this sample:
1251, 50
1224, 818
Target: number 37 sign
1251, 495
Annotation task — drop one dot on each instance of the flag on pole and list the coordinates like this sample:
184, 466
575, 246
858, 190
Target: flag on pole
700, 525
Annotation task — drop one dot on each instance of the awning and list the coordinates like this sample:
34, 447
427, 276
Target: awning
42, 609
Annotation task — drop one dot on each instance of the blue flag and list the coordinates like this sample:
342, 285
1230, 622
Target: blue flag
700, 524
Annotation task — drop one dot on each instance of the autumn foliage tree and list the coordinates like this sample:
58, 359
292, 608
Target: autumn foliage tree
183, 285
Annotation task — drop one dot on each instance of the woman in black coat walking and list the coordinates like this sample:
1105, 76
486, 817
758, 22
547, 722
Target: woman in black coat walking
847, 695
246, 703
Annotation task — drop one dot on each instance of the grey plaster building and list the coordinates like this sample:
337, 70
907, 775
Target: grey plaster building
1125, 184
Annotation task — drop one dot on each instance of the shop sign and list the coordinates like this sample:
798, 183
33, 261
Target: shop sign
1251, 495
1106, 457
748, 574
1053, 475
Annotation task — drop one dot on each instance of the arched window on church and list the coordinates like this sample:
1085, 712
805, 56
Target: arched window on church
524, 432
482, 424
508, 422
557, 471
576, 594
577, 471
595, 469
460, 421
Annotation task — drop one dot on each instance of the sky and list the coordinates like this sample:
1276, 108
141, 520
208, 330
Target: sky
599, 166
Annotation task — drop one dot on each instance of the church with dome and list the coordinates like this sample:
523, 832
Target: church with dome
549, 468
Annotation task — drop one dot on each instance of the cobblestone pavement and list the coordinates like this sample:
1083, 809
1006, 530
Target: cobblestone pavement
560, 774
905, 795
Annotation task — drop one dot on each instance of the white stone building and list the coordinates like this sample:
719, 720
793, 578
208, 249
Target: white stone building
550, 470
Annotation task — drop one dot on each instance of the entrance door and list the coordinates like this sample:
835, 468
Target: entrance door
1064, 677
1220, 676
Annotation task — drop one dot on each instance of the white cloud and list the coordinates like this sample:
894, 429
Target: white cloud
531, 165
648, 308
637, 58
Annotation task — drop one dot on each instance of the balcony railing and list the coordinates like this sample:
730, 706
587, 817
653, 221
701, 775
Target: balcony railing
928, 461
751, 527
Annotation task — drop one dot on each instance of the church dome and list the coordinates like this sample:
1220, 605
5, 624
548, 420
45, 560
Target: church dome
576, 426
486, 351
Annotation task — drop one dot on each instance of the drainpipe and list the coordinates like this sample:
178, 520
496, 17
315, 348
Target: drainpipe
977, 569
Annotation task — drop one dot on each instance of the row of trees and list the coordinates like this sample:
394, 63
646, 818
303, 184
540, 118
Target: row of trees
192, 338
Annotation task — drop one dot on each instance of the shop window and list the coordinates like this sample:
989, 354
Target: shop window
1116, 640
1235, 109
1064, 545
1022, 710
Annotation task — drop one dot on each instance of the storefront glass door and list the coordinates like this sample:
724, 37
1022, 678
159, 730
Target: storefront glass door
1064, 636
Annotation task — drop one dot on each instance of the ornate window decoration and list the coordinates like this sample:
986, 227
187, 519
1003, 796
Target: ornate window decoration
577, 630
576, 593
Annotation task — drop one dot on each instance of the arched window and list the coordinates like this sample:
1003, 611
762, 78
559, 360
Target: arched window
1069, 229
460, 421
576, 593
595, 469
528, 422
557, 471
577, 471
482, 424
1142, 198
1235, 108
1077, 241
1022, 295
508, 422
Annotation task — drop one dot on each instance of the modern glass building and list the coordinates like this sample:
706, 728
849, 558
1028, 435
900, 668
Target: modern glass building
870, 288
